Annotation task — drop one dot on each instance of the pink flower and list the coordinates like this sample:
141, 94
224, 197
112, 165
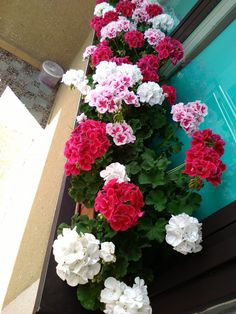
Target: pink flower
121, 60
122, 133
102, 53
154, 36
170, 48
190, 115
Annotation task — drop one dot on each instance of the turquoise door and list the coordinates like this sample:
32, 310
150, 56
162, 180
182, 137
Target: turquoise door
211, 78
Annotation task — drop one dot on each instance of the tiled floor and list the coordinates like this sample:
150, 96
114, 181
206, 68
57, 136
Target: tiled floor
22, 78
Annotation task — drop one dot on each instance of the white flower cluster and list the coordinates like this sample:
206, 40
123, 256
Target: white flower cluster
184, 234
106, 69
77, 79
115, 171
102, 8
122, 299
162, 21
151, 93
78, 256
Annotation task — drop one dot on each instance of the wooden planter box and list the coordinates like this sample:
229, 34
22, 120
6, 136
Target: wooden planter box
194, 282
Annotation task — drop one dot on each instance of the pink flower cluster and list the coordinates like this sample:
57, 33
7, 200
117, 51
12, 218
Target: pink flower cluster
145, 10
153, 36
87, 142
109, 95
134, 39
190, 115
112, 29
149, 65
101, 53
203, 158
122, 133
170, 48
120, 204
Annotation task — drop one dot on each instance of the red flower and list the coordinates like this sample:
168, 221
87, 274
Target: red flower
121, 60
102, 53
87, 142
207, 138
125, 7
149, 65
134, 39
97, 24
100, 1
149, 75
203, 158
120, 204
153, 10
170, 93
170, 48
109, 17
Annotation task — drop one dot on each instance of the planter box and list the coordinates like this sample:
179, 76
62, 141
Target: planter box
193, 282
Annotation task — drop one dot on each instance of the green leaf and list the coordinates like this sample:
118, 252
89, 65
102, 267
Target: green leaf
156, 198
185, 204
149, 155
61, 227
133, 168
148, 164
157, 232
135, 124
120, 266
89, 295
163, 163
155, 177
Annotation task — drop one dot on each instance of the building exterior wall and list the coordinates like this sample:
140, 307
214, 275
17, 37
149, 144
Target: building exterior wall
45, 29
33, 246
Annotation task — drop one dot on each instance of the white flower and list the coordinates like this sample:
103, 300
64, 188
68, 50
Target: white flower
107, 252
131, 70
115, 170
162, 21
184, 234
103, 71
81, 118
151, 93
77, 79
113, 290
77, 256
102, 8
122, 299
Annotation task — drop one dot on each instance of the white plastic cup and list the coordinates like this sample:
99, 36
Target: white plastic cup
51, 73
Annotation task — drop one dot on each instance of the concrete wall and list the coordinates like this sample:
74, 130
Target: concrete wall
33, 246
45, 29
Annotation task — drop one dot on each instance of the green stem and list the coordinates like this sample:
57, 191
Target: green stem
176, 169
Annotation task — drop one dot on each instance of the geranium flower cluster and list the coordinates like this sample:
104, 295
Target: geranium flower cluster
77, 79
203, 158
149, 65
190, 115
88, 141
122, 299
150, 93
122, 133
120, 204
145, 10
169, 48
114, 28
79, 256
184, 234
109, 95
115, 171
153, 36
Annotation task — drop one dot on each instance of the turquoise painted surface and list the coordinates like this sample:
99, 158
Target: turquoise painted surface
211, 78
178, 9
